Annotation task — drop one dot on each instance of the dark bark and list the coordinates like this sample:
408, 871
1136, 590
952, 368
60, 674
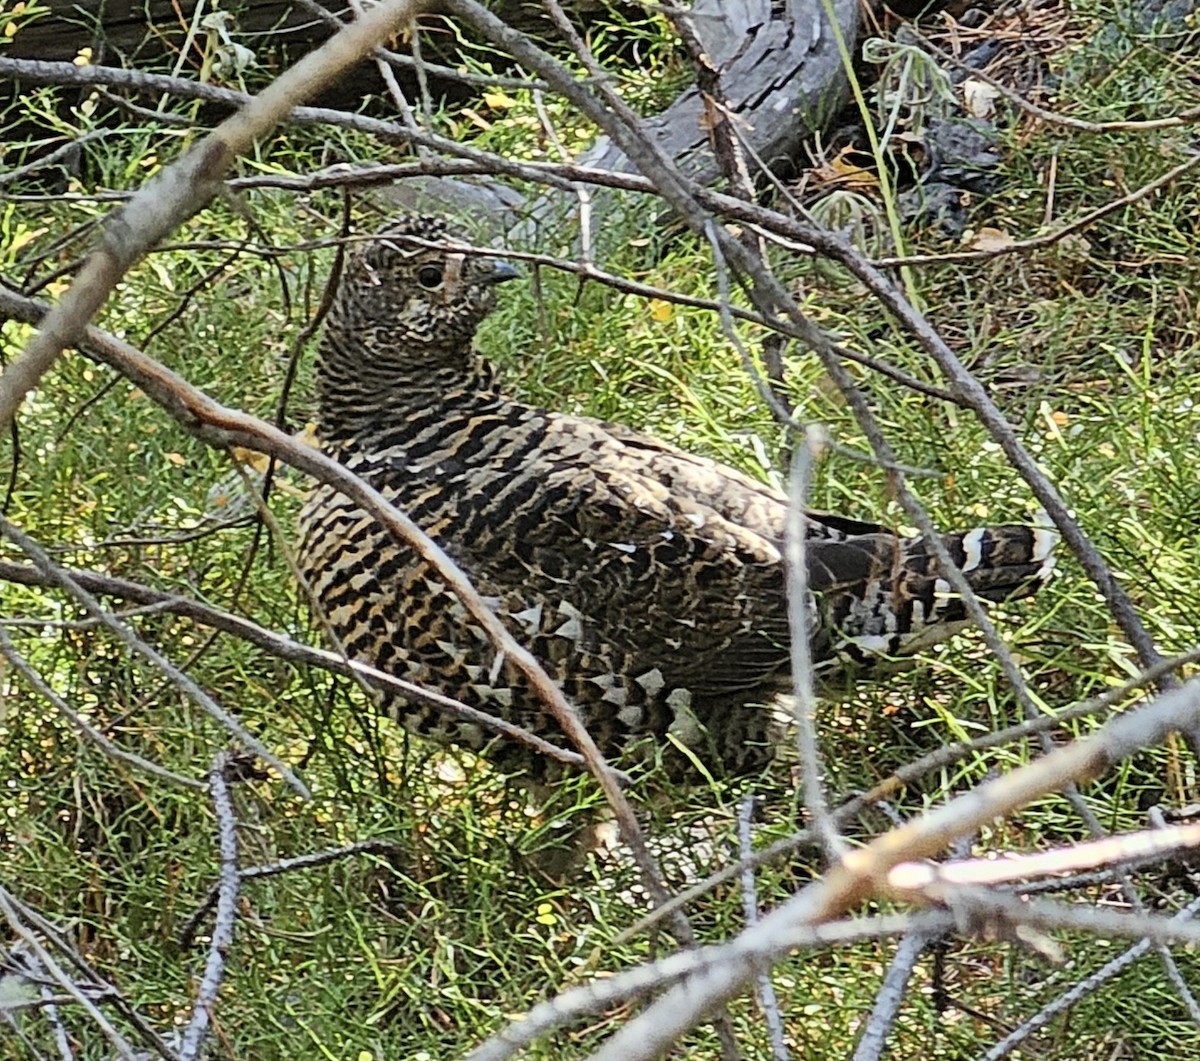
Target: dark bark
154, 29
781, 72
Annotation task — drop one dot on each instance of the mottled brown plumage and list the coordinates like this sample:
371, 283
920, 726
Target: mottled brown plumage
648, 581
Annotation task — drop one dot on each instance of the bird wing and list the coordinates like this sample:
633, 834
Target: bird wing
731, 493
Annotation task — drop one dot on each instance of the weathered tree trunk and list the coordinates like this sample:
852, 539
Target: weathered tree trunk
779, 63
120, 31
781, 70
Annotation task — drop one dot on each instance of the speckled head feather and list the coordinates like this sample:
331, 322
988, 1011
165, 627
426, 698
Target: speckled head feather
411, 290
402, 323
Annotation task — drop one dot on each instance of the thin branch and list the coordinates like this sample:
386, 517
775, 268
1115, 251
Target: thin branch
1089, 985
642, 980
114, 751
408, 62
1056, 235
767, 999
891, 994
66, 151
283, 647
174, 194
863, 872
1188, 117
802, 619
105, 989
275, 869
224, 769
136, 644
9, 909
1124, 847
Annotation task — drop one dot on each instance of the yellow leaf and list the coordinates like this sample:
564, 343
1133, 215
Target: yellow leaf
476, 118
251, 459
498, 100
23, 237
848, 169
177, 459
661, 310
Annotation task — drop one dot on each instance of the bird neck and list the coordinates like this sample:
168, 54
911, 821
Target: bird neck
359, 397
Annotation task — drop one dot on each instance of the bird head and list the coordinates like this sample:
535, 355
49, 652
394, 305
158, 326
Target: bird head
411, 288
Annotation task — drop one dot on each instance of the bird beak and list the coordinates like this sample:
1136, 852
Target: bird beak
501, 271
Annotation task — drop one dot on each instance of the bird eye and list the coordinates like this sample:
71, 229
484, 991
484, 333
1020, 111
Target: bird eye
429, 276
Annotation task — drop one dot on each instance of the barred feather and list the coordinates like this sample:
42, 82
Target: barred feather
649, 582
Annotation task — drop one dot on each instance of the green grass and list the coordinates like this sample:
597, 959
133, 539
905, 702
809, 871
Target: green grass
1091, 348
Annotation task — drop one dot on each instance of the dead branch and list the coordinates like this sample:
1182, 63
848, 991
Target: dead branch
178, 191
224, 770
138, 645
39, 685
864, 872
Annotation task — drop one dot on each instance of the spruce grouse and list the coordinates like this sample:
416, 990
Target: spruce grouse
647, 581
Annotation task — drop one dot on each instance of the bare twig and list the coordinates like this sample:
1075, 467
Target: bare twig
1187, 117
1056, 235
283, 647
408, 62
10, 909
1126, 847
138, 645
223, 771
275, 869
766, 989
863, 872
644, 979
49, 931
891, 993
1087, 986
39, 685
801, 620
66, 151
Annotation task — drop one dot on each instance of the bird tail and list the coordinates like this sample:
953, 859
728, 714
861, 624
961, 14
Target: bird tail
881, 595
